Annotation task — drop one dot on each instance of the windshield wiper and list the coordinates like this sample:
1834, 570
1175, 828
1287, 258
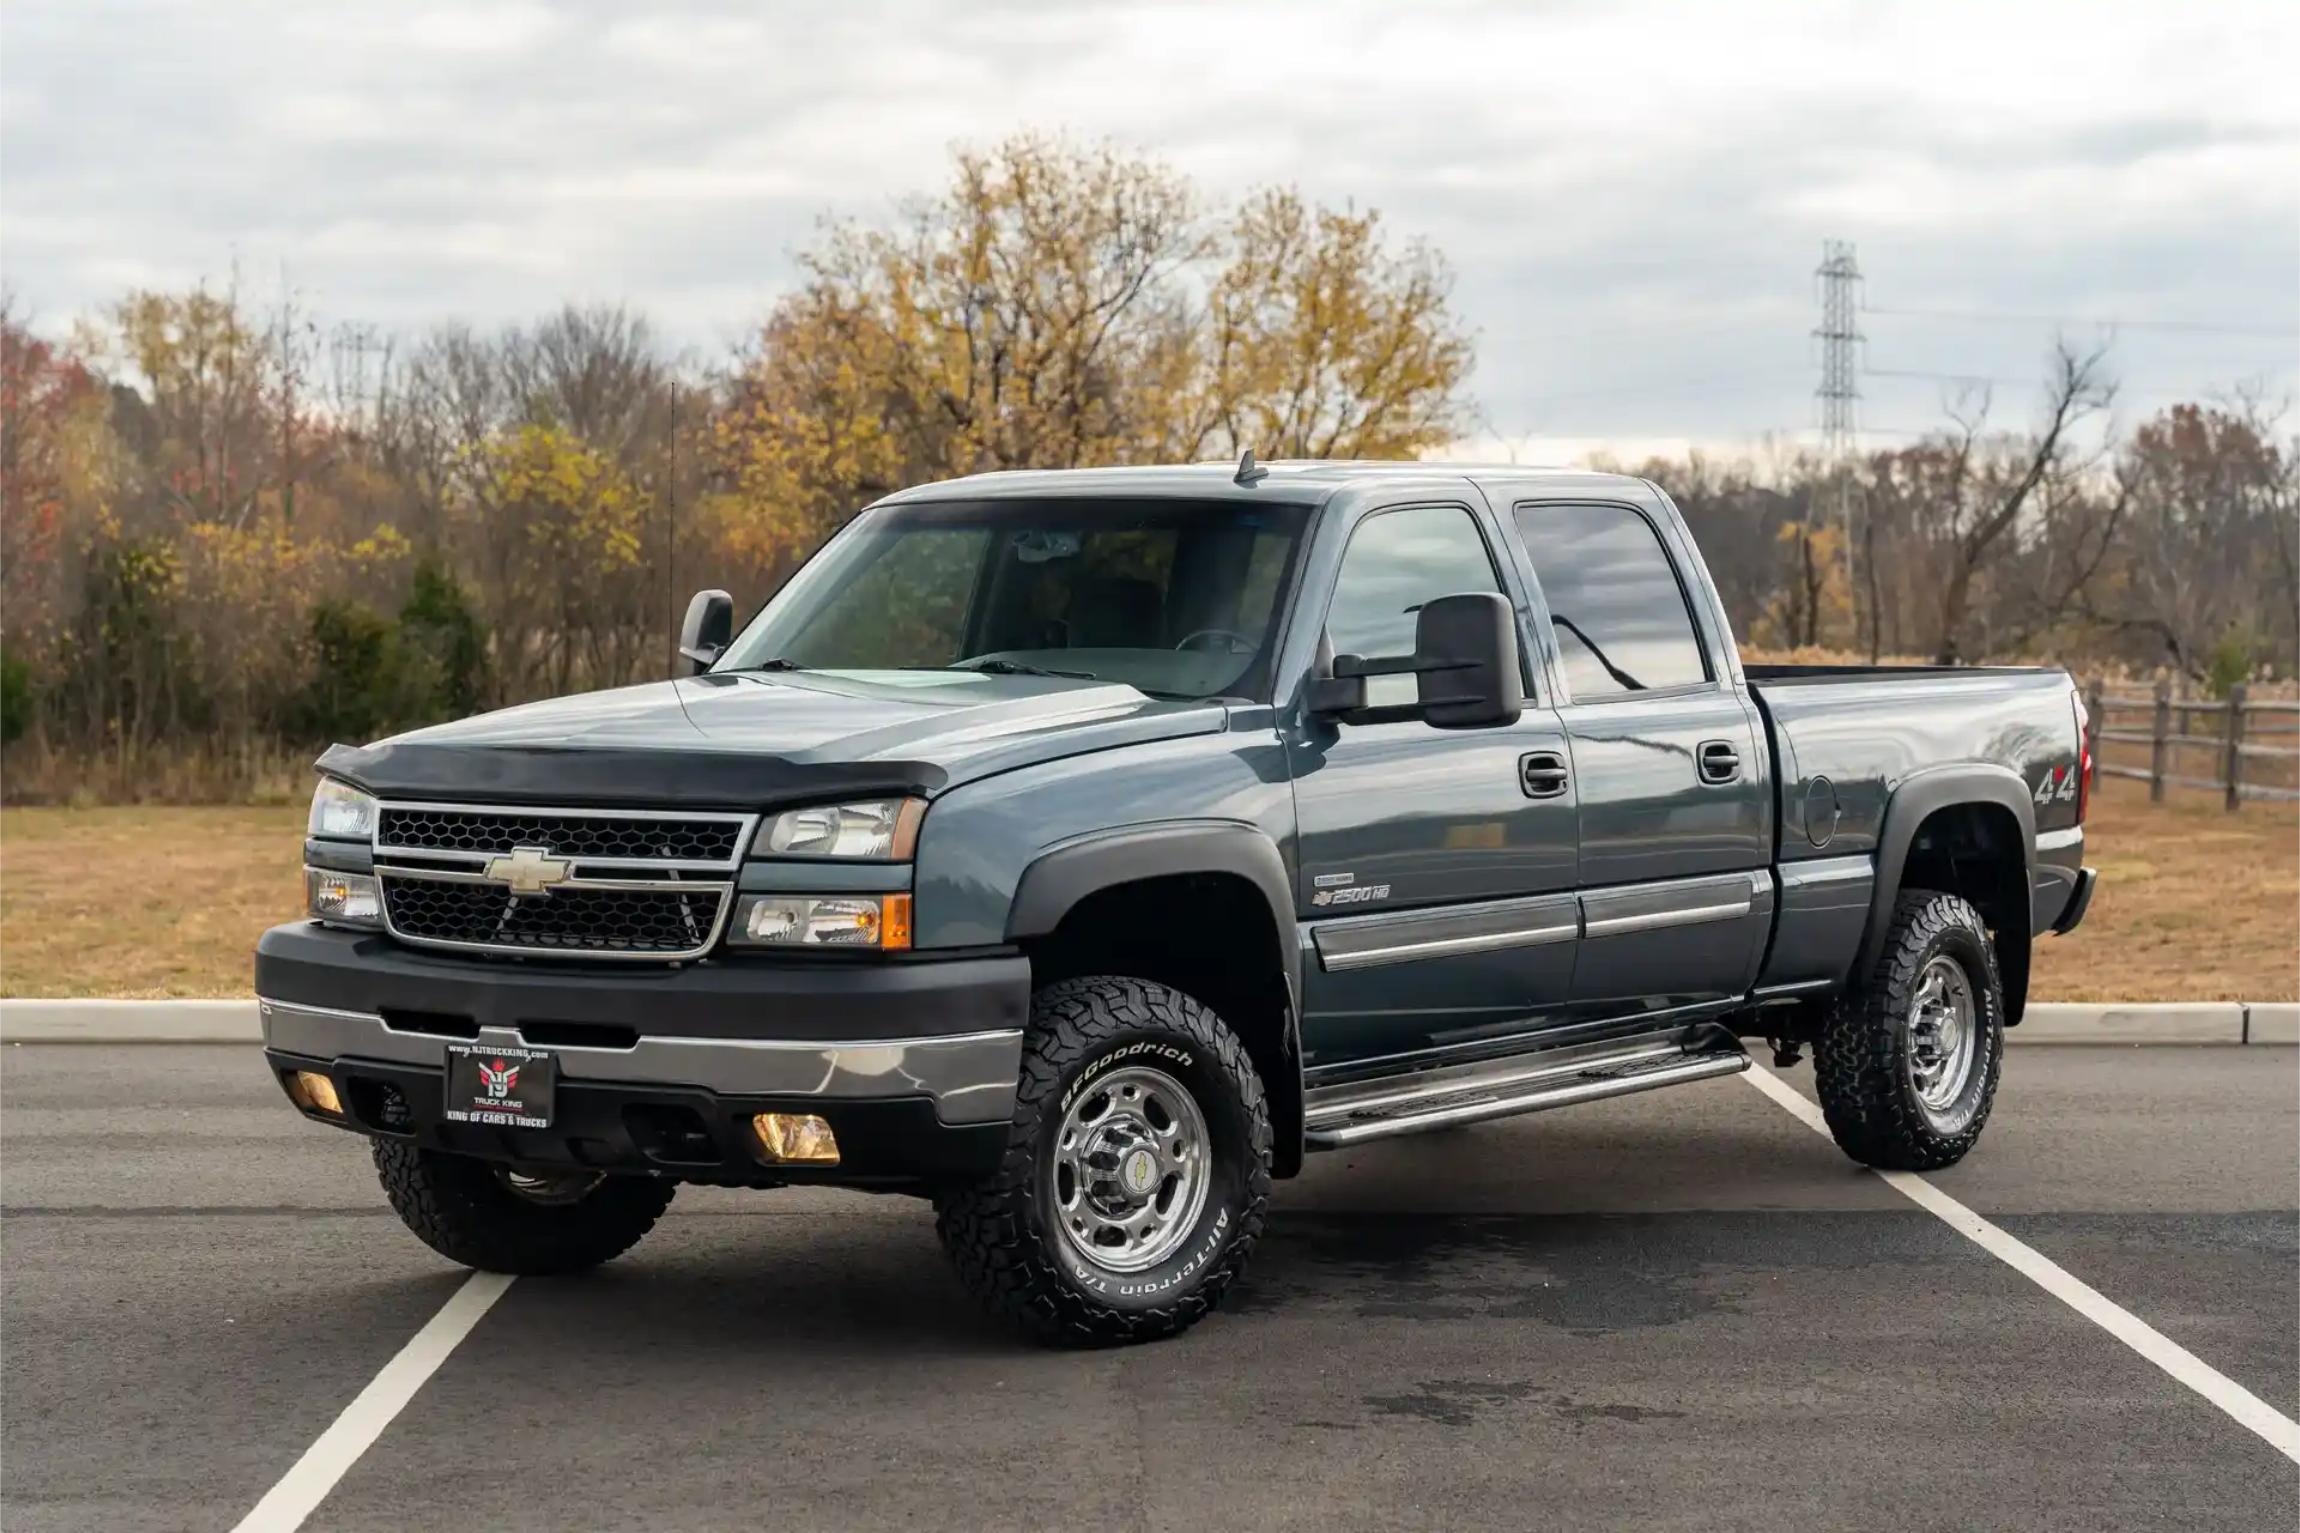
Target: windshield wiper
995, 666
771, 663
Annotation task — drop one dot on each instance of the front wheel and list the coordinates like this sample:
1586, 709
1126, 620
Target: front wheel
1907, 1067
501, 1219
1136, 1171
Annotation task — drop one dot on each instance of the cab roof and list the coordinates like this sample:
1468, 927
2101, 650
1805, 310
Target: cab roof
1295, 480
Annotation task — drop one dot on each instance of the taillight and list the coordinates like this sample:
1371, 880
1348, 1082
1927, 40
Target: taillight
2083, 757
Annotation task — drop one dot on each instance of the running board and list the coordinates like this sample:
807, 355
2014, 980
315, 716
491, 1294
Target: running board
1510, 1087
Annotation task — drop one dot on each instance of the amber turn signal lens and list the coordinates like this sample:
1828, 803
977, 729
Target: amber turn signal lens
315, 1091
798, 1138
894, 922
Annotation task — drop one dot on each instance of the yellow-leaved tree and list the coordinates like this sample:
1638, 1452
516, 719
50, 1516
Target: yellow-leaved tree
1060, 305
553, 529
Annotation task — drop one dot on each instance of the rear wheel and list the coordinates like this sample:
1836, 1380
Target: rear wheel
1907, 1067
1136, 1170
504, 1219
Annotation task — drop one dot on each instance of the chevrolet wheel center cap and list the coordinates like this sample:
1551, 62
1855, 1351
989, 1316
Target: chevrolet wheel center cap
1140, 1172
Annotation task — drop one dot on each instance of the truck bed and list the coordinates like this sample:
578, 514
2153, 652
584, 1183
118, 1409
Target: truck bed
1847, 736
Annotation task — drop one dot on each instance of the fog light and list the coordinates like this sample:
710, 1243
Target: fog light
801, 1137
315, 1091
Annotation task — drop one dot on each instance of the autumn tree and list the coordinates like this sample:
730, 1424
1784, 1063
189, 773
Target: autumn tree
553, 531
2210, 568
1060, 305
50, 409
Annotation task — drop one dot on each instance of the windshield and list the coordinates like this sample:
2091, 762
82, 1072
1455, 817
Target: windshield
1178, 598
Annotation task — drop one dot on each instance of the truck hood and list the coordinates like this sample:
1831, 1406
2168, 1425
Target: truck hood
747, 740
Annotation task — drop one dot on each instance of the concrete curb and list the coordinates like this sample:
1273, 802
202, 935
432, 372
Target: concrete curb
31, 1021
129, 1022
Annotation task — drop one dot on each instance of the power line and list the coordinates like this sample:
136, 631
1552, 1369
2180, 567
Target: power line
2103, 322
2152, 391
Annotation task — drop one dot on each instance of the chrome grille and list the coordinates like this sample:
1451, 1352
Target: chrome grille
583, 883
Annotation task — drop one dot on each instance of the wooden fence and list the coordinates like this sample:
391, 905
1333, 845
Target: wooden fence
2234, 746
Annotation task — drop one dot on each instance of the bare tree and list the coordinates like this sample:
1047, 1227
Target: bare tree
1991, 490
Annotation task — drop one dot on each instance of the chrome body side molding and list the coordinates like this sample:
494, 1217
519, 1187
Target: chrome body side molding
1359, 942
1674, 902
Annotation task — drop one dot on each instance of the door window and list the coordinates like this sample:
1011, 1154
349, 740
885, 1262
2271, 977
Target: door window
1620, 615
1397, 561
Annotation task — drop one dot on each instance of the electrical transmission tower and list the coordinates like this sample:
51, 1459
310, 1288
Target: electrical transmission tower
1838, 279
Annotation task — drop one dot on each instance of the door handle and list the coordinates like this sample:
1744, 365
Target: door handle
1542, 774
1719, 761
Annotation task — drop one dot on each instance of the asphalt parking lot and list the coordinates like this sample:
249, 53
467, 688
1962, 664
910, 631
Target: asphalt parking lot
1677, 1310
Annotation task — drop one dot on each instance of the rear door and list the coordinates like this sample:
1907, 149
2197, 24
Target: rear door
1669, 757
1437, 865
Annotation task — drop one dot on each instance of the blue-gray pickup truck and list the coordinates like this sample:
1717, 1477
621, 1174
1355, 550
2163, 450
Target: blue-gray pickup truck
1081, 849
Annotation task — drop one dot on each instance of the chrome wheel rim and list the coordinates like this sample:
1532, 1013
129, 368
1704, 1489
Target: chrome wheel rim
551, 1187
1128, 1176
1944, 1036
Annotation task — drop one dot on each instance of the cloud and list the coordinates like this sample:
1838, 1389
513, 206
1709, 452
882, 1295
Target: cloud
1634, 195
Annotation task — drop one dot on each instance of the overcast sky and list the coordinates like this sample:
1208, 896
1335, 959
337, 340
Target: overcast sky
1634, 195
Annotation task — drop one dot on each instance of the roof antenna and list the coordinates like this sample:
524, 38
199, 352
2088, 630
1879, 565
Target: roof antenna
1249, 472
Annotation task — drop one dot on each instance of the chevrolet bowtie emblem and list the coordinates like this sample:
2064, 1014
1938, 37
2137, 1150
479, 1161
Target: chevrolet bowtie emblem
528, 869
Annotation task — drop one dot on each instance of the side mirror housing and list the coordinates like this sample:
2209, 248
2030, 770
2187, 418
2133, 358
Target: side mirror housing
709, 628
1466, 663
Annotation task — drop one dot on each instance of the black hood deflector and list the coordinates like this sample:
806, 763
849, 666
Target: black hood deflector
614, 777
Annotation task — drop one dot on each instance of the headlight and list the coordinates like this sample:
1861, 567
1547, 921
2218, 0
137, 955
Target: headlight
341, 812
879, 921
881, 830
342, 899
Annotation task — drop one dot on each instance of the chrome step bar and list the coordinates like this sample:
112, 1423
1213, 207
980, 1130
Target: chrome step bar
1507, 1087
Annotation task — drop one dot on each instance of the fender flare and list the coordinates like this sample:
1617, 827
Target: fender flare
1051, 887
1911, 803
1068, 873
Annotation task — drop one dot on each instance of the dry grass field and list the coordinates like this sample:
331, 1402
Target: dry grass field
2195, 904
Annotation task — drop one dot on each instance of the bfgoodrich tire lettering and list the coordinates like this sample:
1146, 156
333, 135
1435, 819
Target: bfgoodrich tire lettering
1003, 1233
467, 1212
1867, 1062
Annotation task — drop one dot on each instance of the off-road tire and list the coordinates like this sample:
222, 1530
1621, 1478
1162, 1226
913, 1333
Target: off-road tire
996, 1230
1861, 1060
461, 1209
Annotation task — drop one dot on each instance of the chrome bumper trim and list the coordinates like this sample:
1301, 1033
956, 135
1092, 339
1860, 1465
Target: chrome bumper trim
970, 1077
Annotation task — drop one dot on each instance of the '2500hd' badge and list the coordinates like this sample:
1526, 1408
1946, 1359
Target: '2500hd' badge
1348, 892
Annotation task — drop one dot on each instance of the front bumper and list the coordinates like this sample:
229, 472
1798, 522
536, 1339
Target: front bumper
914, 1064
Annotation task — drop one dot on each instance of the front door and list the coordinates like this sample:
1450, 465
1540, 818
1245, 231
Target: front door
1437, 865
1674, 790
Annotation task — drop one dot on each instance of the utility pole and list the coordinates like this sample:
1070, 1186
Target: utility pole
1837, 279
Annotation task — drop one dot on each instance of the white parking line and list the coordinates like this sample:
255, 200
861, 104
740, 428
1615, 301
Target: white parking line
2241, 1405
327, 1460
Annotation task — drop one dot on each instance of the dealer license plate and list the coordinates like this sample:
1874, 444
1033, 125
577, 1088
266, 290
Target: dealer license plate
504, 1088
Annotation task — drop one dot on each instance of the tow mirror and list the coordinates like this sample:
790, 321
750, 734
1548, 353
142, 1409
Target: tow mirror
1465, 658
1464, 665
709, 627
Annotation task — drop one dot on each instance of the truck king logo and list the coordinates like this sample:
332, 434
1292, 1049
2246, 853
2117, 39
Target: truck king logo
499, 1078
